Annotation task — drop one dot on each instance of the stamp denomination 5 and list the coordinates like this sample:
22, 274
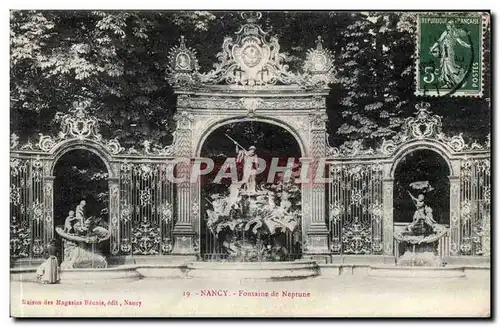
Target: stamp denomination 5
450, 54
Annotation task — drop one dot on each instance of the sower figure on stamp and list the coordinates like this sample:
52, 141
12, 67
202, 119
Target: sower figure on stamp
451, 73
48, 271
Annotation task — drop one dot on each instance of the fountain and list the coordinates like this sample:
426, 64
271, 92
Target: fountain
83, 261
250, 225
421, 235
81, 244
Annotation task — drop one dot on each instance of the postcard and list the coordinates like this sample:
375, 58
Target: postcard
250, 163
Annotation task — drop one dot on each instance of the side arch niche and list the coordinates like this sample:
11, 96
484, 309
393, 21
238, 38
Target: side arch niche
422, 165
89, 147
81, 175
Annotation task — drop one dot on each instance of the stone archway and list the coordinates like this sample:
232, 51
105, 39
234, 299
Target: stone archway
307, 126
299, 135
422, 165
274, 146
75, 144
265, 91
81, 175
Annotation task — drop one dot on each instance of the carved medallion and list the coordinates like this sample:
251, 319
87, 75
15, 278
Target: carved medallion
183, 61
251, 55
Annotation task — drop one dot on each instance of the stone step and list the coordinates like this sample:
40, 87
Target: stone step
417, 272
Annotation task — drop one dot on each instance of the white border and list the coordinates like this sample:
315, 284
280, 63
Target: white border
494, 5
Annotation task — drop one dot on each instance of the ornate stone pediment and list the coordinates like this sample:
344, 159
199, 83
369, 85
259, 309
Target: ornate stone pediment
77, 124
253, 58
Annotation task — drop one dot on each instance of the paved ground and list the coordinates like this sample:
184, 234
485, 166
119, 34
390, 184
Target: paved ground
343, 296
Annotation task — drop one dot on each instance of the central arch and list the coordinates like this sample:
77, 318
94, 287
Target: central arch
225, 232
299, 136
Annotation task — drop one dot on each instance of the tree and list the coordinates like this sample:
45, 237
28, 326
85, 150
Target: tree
376, 67
115, 62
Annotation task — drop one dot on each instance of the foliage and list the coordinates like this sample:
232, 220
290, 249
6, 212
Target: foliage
116, 60
376, 71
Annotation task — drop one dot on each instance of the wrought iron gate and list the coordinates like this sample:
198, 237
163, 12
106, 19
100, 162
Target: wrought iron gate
28, 228
356, 208
146, 208
475, 206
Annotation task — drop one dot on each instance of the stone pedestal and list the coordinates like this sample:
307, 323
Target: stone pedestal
184, 239
420, 255
317, 240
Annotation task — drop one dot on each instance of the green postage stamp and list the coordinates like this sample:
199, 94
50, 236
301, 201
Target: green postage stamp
450, 54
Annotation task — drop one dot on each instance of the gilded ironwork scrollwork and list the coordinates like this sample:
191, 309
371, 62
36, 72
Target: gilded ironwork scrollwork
474, 207
422, 126
146, 238
356, 238
19, 238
